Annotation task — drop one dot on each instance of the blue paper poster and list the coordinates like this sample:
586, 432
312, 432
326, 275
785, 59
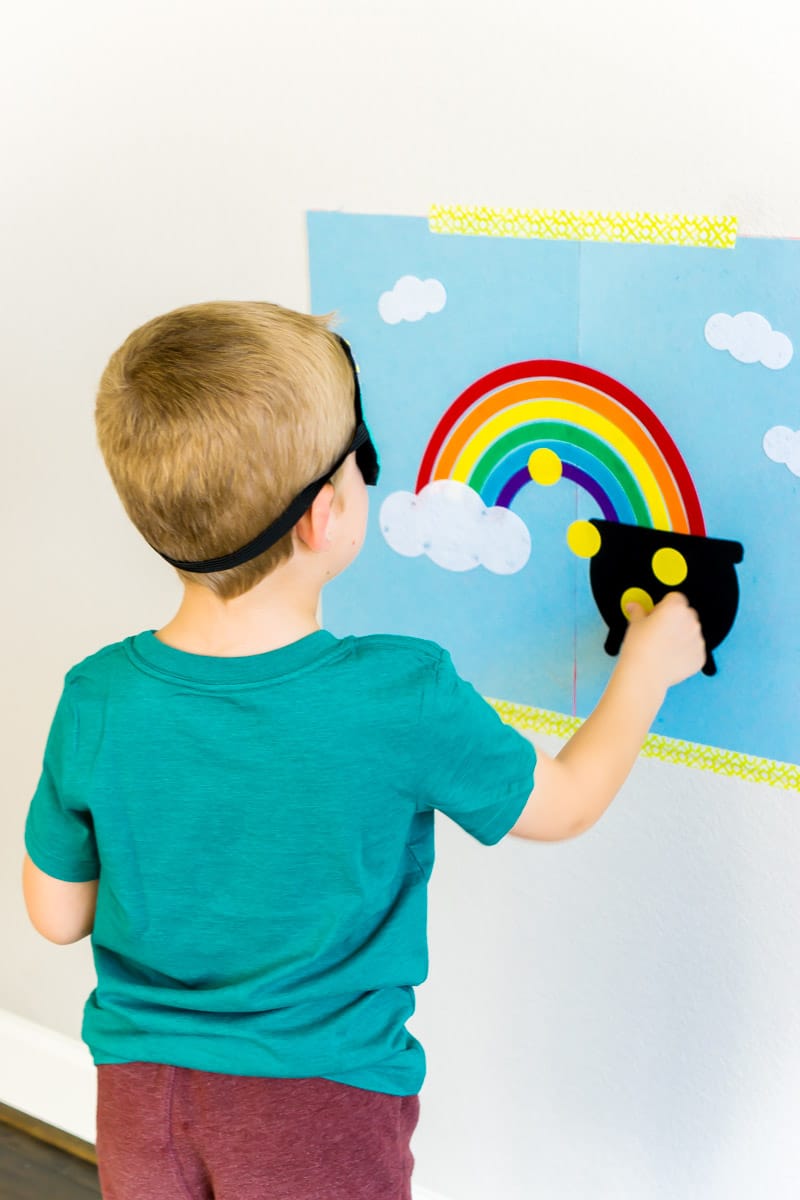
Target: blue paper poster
564, 425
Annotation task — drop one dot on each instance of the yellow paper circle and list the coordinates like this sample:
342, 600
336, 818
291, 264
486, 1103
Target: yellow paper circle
544, 466
637, 596
669, 566
583, 539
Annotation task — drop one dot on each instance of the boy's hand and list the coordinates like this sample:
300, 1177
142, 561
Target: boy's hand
667, 641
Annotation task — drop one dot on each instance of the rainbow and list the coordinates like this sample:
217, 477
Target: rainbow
607, 439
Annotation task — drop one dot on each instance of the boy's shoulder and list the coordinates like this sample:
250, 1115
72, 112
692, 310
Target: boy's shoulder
96, 667
416, 660
396, 646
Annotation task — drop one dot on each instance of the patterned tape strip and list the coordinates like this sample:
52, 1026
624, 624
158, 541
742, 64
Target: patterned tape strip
663, 229
685, 754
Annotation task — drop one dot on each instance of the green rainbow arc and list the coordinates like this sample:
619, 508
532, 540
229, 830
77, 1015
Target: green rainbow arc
539, 431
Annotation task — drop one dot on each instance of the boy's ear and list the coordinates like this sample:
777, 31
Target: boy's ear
314, 527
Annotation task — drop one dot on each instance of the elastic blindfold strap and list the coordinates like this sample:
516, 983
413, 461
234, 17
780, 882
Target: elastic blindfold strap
367, 456
281, 525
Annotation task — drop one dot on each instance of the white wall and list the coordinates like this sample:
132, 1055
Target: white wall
610, 1018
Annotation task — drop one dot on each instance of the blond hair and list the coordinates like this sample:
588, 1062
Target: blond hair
212, 418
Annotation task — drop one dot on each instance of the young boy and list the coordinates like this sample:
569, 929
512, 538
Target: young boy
239, 807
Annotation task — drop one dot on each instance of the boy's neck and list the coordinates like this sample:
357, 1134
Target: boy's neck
266, 618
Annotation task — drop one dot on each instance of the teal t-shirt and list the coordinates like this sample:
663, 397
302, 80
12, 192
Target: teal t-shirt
262, 830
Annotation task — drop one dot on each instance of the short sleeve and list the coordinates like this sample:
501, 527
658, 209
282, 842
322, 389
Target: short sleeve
59, 833
477, 770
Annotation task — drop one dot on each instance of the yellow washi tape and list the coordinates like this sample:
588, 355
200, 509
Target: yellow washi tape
685, 754
591, 225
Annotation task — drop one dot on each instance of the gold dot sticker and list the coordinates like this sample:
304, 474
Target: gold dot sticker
544, 466
583, 539
636, 596
669, 566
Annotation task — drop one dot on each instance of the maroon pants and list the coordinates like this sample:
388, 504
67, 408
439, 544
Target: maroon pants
167, 1133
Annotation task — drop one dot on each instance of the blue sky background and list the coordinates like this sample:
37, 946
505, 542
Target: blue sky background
637, 313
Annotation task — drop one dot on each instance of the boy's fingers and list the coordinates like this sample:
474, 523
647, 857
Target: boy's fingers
636, 612
675, 598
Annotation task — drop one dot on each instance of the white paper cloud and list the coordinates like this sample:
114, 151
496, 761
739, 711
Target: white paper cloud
750, 338
782, 445
411, 299
449, 522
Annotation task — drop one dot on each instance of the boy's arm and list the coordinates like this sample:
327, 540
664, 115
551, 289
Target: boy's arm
572, 790
62, 912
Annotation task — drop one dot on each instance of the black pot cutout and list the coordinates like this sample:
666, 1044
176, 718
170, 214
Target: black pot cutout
625, 560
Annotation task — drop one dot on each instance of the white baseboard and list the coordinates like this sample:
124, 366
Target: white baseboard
52, 1077
47, 1075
